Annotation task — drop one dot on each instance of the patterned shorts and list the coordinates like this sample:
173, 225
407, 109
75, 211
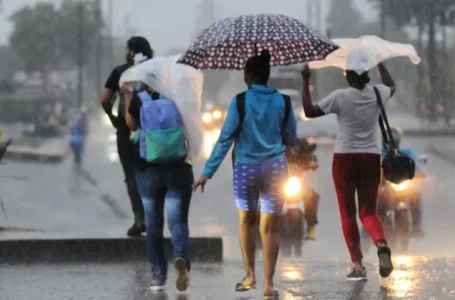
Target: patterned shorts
264, 181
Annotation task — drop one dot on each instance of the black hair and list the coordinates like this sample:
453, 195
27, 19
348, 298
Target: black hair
258, 67
357, 81
139, 44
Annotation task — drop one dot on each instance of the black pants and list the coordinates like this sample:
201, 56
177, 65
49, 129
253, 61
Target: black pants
128, 159
311, 204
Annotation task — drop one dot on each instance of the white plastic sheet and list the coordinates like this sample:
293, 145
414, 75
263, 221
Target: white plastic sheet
180, 83
364, 53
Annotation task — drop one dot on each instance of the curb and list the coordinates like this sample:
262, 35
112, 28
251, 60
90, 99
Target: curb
29, 156
99, 250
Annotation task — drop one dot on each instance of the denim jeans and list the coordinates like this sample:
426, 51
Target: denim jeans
166, 186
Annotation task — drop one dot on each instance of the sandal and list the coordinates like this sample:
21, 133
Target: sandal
275, 295
241, 287
385, 261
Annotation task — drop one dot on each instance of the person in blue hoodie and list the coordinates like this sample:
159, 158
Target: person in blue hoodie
261, 123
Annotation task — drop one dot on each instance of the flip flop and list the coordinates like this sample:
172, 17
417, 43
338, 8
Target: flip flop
241, 287
385, 261
275, 295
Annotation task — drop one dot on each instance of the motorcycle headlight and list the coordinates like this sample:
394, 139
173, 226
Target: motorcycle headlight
207, 118
401, 186
293, 187
217, 114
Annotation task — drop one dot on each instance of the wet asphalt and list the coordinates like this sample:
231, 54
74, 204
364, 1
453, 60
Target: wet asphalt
44, 201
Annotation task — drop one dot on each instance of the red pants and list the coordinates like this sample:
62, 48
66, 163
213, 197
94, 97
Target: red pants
359, 172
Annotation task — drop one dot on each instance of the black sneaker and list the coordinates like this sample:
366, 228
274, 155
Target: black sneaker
158, 285
183, 278
385, 261
137, 229
357, 275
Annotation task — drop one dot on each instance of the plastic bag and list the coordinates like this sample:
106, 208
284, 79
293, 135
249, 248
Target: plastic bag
180, 83
364, 53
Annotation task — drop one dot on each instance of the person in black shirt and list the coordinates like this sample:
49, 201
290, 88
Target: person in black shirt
127, 151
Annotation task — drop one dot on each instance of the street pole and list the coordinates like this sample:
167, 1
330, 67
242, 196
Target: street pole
80, 52
99, 46
111, 32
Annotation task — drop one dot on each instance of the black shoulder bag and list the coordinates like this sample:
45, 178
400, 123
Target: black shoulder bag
240, 99
396, 165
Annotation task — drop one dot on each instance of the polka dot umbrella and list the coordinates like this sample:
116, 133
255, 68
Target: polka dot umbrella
227, 44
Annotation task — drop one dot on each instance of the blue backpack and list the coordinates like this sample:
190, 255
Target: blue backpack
162, 137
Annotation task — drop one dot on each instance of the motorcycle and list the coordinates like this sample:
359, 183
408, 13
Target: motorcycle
297, 197
395, 209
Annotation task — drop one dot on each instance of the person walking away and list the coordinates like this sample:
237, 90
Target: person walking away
125, 147
261, 122
357, 160
164, 181
77, 139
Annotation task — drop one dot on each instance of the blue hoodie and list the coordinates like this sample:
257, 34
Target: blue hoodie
260, 138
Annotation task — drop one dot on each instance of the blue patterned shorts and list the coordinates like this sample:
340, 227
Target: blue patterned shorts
264, 181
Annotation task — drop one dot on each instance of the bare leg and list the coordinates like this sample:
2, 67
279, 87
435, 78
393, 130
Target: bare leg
247, 236
269, 228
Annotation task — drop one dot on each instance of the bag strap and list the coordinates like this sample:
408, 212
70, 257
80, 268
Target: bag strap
384, 122
144, 96
240, 102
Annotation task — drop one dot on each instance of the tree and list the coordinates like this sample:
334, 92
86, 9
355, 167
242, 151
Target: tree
9, 61
34, 39
79, 27
425, 15
344, 19
214, 80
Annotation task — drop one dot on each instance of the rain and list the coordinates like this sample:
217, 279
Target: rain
72, 223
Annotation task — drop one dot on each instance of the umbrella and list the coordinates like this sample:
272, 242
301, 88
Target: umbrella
180, 83
228, 43
364, 53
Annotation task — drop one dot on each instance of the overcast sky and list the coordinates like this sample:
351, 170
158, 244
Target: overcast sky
171, 23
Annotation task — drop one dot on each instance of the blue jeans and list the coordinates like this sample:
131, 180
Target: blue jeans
166, 186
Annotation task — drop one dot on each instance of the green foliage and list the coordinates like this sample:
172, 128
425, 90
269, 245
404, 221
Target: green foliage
47, 38
34, 37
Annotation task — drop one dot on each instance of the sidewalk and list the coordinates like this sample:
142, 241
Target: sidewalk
43, 150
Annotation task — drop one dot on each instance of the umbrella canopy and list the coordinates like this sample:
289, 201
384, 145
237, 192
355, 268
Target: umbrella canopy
229, 43
182, 84
364, 53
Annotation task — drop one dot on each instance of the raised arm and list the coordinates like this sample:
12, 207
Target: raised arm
311, 110
387, 79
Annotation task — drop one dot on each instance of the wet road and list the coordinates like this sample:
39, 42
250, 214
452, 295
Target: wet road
52, 199
414, 278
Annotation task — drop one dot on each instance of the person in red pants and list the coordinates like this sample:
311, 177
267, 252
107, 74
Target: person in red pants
357, 160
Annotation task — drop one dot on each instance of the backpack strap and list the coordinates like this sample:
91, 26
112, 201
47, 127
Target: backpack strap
240, 101
287, 113
144, 96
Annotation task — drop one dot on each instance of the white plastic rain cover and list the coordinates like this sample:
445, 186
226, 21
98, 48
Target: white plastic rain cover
180, 83
364, 53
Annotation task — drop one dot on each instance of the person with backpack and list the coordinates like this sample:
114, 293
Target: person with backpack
261, 122
164, 179
356, 164
125, 147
